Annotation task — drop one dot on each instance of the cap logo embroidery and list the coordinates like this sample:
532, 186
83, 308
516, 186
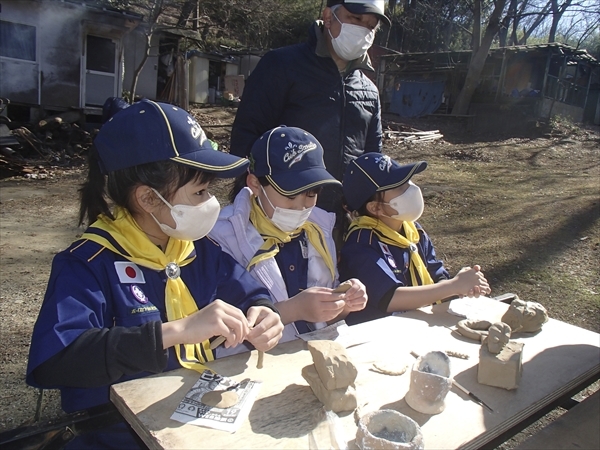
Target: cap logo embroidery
385, 163
294, 153
196, 131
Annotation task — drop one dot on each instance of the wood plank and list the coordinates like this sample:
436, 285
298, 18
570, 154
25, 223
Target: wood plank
286, 412
577, 428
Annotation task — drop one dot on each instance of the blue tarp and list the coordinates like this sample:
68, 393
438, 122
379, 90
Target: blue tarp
416, 98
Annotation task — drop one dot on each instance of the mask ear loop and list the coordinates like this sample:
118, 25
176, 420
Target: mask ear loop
162, 198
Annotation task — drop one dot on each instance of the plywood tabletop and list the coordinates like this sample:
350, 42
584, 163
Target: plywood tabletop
286, 412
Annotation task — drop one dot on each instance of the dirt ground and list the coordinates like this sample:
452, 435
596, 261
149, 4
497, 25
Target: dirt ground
525, 208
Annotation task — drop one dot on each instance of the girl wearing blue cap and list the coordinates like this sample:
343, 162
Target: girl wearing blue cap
143, 291
388, 249
274, 230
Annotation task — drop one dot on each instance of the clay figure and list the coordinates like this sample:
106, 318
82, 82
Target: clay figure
498, 337
336, 400
526, 317
332, 363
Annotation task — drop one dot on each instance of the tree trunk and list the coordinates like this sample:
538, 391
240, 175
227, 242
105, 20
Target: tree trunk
476, 39
461, 107
557, 13
138, 70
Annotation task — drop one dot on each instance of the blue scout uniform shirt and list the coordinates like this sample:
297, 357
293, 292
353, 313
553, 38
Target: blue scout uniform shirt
292, 260
92, 287
382, 268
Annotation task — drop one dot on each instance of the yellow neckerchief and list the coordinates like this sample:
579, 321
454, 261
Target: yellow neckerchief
274, 236
134, 245
390, 236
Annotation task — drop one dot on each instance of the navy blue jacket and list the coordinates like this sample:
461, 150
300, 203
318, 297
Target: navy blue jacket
294, 86
85, 292
383, 268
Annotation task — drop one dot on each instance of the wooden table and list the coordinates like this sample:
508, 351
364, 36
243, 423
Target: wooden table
556, 362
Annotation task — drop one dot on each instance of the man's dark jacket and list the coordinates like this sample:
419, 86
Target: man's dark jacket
294, 86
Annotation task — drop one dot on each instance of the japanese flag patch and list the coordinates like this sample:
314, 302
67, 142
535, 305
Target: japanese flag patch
388, 255
129, 272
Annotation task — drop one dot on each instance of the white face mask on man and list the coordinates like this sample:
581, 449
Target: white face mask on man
353, 40
285, 219
191, 222
409, 205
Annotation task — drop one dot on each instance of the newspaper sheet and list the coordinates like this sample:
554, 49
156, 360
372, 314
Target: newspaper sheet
191, 409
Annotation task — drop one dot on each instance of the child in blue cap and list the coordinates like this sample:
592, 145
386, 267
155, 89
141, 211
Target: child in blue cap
387, 249
274, 230
143, 290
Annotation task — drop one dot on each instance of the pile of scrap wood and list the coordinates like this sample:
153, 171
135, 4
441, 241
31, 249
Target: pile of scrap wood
57, 140
412, 135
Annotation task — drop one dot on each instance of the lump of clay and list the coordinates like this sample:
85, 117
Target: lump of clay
343, 287
473, 329
526, 317
388, 429
332, 364
498, 337
430, 381
336, 400
220, 399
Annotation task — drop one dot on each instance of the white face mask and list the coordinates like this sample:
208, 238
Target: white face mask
408, 205
191, 222
353, 40
286, 220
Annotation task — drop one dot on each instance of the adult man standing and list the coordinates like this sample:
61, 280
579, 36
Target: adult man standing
319, 86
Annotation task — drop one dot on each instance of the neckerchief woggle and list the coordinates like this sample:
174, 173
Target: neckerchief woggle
135, 246
274, 236
418, 271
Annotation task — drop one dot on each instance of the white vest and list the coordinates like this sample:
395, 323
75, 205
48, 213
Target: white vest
238, 237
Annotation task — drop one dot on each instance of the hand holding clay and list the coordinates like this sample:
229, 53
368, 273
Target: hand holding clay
265, 328
355, 295
217, 318
469, 281
318, 304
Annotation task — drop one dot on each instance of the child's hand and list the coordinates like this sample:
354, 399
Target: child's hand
217, 318
471, 282
319, 304
355, 297
266, 328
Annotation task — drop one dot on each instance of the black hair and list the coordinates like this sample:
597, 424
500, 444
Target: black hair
361, 211
240, 183
164, 176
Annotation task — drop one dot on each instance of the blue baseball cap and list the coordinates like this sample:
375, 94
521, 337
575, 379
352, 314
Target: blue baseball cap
291, 159
373, 172
148, 132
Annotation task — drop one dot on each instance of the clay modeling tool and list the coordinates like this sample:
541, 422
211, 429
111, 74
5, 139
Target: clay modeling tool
218, 341
470, 394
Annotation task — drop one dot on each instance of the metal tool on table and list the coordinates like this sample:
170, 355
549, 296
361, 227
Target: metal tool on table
470, 394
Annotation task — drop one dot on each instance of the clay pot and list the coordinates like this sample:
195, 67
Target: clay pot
387, 429
430, 381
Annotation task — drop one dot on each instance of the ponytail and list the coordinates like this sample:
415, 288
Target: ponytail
92, 193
